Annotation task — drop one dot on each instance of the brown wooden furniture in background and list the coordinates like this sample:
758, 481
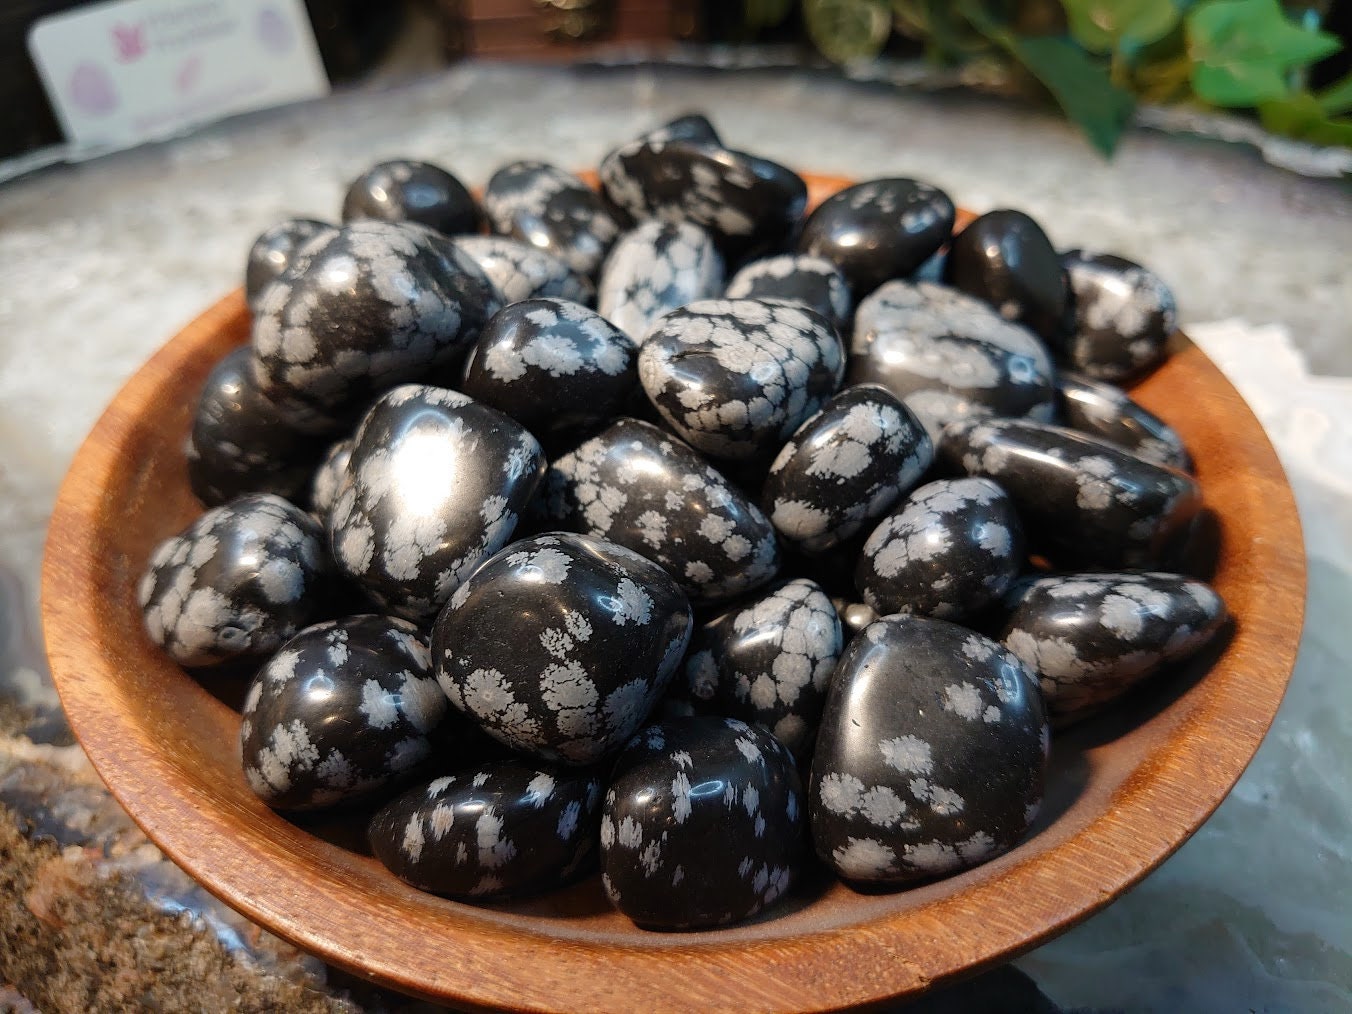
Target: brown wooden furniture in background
562, 29
1124, 791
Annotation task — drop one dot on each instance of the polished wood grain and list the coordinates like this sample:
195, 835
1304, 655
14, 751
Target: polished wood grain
1125, 789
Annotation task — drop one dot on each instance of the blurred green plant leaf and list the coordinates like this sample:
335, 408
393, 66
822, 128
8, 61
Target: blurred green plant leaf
765, 13
1080, 85
1103, 26
848, 31
1337, 97
1302, 115
1242, 50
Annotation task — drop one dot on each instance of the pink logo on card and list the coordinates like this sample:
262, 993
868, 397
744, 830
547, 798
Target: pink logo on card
91, 90
130, 42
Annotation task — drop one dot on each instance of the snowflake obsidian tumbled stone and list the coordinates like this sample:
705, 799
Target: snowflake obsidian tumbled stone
954, 547
408, 191
370, 306
345, 708
522, 272
552, 365
1091, 637
767, 662
702, 825
654, 269
1083, 501
239, 581
1108, 412
643, 489
878, 230
931, 753
505, 828
949, 356
552, 210
239, 443
560, 645
1124, 315
845, 466
813, 282
273, 252
436, 483
735, 377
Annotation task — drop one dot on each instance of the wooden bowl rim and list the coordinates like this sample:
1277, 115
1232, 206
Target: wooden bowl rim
495, 964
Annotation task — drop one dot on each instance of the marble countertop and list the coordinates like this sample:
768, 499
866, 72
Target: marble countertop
103, 261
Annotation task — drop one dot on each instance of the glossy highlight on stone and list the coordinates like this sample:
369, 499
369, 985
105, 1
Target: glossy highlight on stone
1092, 637
766, 661
879, 230
554, 211
407, 191
931, 755
437, 482
501, 829
702, 826
236, 583
954, 547
341, 711
654, 269
1005, 259
560, 645
1084, 502
949, 356
735, 377
642, 488
844, 467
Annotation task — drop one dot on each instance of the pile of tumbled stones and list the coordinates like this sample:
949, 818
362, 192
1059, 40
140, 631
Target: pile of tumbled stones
563, 587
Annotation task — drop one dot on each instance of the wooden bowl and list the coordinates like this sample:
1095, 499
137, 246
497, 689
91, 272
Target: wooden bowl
1125, 790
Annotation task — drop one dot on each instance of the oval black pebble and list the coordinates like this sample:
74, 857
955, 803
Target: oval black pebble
949, 356
931, 754
406, 191
1091, 637
1084, 502
341, 711
371, 306
437, 484
501, 829
767, 662
1124, 315
643, 489
330, 478
239, 581
1005, 259
554, 211
879, 230
954, 547
702, 825
273, 251
560, 645
1108, 412
239, 442
845, 467
735, 377
553, 366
